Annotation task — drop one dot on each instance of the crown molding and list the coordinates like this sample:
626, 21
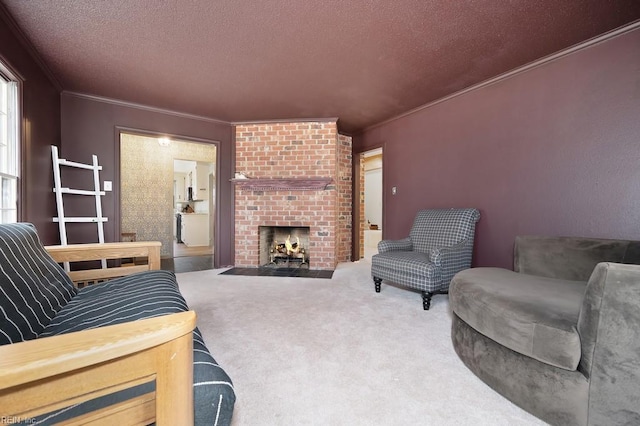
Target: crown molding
285, 120
143, 107
517, 71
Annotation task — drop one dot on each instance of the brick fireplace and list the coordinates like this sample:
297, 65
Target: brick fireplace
299, 175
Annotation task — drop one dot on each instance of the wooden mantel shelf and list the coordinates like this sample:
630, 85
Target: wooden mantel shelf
283, 184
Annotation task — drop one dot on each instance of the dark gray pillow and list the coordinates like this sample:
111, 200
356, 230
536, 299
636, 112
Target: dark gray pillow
33, 287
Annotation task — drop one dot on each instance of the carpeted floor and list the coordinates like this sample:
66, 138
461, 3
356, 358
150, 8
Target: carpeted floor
304, 351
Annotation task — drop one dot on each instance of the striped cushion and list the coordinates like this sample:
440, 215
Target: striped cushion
32, 286
213, 392
139, 296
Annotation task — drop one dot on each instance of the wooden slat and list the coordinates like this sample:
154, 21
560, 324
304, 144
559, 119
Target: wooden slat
81, 219
96, 251
51, 399
135, 411
104, 274
154, 257
65, 162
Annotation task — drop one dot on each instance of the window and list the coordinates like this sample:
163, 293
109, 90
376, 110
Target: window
9, 148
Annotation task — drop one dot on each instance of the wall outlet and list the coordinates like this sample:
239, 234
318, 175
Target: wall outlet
107, 185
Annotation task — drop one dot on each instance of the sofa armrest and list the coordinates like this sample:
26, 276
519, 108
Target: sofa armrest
43, 375
98, 251
443, 255
452, 259
404, 244
609, 329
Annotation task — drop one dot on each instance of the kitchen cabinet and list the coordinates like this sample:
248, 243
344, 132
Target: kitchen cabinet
194, 179
179, 186
195, 229
201, 181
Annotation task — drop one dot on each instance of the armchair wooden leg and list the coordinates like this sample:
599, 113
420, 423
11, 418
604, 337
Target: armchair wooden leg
427, 295
377, 281
426, 300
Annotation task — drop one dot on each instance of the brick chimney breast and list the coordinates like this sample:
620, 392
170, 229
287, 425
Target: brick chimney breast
289, 153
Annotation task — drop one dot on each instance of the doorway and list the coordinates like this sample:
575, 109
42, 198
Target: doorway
372, 203
193, 198
147, 187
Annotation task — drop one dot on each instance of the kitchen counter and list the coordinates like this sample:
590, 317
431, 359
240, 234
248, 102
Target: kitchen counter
195, 229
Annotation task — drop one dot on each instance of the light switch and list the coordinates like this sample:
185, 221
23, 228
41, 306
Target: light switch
107, 185
394, 190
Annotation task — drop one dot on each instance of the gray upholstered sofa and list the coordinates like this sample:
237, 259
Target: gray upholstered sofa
122, 351
560, 335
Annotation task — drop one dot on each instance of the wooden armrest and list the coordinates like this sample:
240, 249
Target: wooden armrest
97, 251
39, 358
43, 375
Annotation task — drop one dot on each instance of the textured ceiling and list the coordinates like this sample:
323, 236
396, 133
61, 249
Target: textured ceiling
361, 61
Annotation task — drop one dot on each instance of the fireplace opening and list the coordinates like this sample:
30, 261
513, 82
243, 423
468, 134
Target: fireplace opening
284, 246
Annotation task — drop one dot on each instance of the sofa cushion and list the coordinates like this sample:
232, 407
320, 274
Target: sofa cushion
535, 316
411, 268
33, 287
138, 296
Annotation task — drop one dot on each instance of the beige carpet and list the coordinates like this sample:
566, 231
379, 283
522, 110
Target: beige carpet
304, 351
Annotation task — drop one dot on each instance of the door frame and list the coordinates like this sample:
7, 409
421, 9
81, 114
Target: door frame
119, 130
357, 224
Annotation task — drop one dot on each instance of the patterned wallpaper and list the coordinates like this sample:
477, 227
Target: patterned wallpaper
146, 182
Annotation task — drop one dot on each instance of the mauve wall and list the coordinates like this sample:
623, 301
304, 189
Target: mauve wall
91, 127
551, 151
41, 129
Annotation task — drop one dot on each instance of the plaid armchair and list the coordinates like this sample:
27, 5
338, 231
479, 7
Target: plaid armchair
439, 245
